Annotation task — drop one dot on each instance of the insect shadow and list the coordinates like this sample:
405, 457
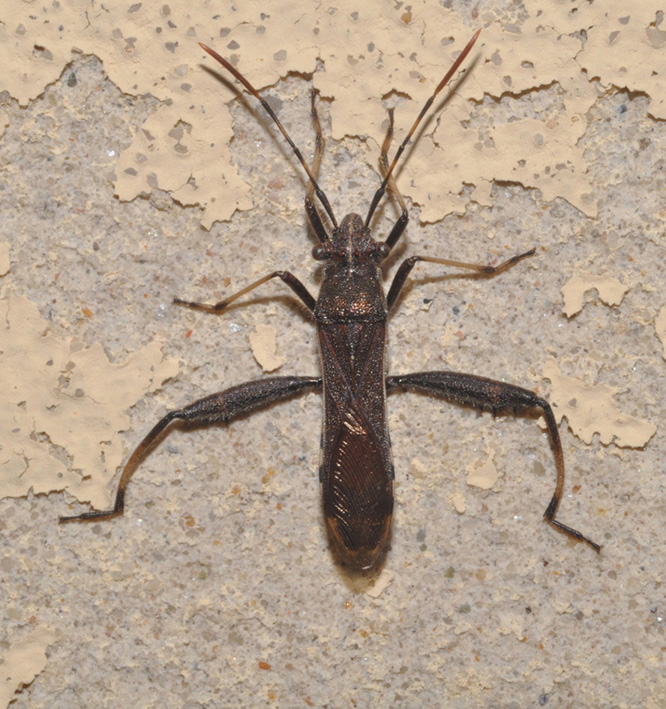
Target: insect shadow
351, 311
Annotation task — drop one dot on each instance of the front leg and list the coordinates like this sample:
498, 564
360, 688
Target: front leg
479, 270
483, 393
223, 407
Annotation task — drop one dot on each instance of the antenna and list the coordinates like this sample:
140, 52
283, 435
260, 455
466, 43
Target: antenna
382, 188
232, 70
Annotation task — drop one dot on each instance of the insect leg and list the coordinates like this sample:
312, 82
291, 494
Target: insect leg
400, 225
223, 407
408, 264
301, 291
482, 393
310, 207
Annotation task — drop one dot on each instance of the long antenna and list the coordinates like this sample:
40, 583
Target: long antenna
382, 189
232, 70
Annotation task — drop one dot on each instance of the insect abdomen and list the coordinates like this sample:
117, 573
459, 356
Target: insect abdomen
358, 493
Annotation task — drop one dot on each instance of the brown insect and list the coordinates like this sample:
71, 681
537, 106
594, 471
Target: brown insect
351, 312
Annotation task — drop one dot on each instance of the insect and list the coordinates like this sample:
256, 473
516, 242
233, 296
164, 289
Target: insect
356, 470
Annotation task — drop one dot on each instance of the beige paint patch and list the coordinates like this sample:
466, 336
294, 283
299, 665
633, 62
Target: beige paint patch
485, 475
417, 469
591, 409
458, 502
371, 62
22, 662
33, 50
610, 290
264, 348
540, 153
625, 47
65, 407
660, 327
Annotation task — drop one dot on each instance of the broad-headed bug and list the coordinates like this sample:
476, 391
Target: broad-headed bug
356, 471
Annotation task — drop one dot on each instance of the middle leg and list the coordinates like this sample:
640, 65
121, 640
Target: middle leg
299, 289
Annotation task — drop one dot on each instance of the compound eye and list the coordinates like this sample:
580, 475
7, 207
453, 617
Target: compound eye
383, 250
320, 253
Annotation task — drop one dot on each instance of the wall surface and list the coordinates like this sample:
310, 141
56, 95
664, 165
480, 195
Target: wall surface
134, 171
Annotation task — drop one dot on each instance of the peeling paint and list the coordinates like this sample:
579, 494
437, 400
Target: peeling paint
182, 148
484, 476
264, 348
68, 400
592, 409
22, 662
610, 290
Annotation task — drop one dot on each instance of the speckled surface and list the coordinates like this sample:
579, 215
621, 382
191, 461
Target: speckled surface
217, 587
